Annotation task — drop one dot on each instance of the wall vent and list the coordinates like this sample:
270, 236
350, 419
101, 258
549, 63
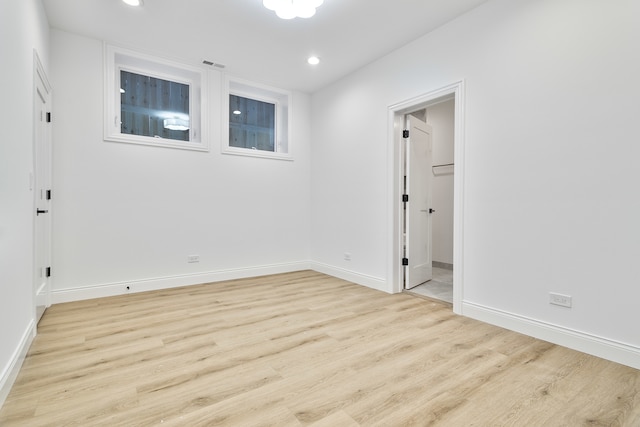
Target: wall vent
213, 64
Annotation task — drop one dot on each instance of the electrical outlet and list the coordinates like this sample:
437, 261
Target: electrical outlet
559, 299
347, 256
193, 258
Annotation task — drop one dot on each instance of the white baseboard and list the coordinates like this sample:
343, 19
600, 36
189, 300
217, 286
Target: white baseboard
351, 276
157, 283
618, 352
10, 372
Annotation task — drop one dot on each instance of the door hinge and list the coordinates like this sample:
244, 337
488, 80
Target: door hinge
405, 198
48, 273
405, 261
48, 194
48, 117
405, 133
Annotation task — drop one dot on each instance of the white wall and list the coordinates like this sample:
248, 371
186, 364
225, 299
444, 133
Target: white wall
23, 28
130, 215
441, 119
348, 180
550, 191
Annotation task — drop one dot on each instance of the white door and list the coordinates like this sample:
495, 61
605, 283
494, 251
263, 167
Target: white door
418, 183
42, 192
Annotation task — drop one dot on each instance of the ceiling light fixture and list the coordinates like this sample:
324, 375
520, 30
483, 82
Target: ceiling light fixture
133, 2
289, 9
313, 60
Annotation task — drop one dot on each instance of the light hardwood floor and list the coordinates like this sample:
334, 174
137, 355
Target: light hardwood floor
303, 349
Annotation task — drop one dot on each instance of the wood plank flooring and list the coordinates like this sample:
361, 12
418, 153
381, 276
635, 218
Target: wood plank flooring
302, 349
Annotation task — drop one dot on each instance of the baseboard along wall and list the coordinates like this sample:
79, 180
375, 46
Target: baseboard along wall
444, 265
604, 348
156, 283
10, 372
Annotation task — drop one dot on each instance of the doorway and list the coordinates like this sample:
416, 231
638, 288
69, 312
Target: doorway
42, 189
438, 169
397, 114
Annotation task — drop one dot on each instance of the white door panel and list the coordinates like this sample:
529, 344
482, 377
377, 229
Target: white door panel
42, 187
418, 208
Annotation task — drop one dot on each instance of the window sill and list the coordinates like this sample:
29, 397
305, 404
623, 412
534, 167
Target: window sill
158, 142
257, 153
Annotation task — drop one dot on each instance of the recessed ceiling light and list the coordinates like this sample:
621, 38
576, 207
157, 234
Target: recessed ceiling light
133, 2
313, 60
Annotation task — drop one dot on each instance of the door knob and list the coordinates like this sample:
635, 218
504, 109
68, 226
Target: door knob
431, 210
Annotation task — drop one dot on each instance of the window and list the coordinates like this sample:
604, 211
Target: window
144, 103
153, 101
252, 123
258, 118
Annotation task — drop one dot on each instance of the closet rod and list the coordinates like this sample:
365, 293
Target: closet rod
439, 166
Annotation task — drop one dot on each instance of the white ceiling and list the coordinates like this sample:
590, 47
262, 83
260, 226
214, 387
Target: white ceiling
252, 42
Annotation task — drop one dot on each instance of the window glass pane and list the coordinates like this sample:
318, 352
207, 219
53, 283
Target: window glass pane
251, 123
154, 107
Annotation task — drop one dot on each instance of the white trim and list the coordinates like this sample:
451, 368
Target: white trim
615, 351
11, 371
117, 58
283, 100
396, 112
157, 283
377, 283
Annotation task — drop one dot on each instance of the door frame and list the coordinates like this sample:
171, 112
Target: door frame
40, 80
396, 114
